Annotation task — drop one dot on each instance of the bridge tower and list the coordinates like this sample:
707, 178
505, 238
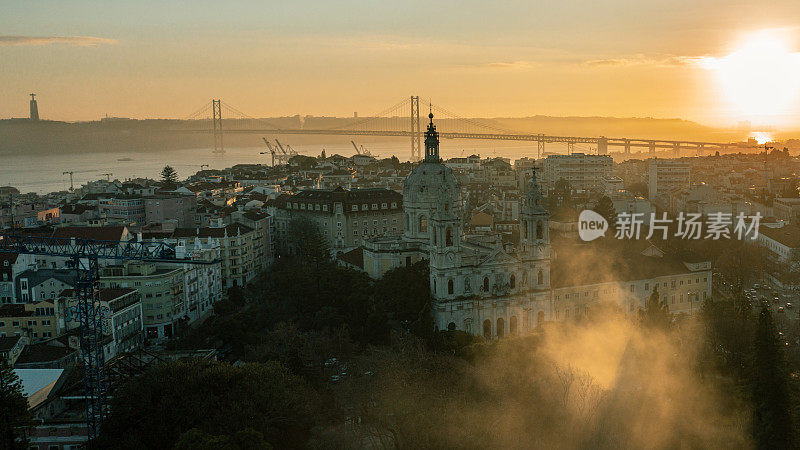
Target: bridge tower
216, 108
416, 145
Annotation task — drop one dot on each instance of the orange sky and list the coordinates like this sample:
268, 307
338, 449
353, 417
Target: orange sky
619, 58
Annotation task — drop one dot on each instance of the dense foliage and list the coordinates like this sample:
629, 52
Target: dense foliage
327, 358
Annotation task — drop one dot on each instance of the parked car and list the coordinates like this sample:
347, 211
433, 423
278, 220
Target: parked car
788, 306
780, 309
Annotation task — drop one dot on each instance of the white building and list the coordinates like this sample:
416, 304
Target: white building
665, 175
582, 172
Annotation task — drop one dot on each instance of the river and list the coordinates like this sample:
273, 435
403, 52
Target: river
45, 173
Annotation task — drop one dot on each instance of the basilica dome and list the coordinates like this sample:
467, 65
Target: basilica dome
430, 185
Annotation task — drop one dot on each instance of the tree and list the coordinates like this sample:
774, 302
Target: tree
14, 414
308, 242
605, 207
169, 175
153, 410
772, 416
656, 314
741, 263
247, 439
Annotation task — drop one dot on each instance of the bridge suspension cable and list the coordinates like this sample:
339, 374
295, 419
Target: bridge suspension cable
403, 120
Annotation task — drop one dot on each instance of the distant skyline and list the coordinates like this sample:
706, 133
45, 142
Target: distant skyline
622, 58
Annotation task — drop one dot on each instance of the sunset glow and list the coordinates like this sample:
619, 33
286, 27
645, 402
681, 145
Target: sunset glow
760, 80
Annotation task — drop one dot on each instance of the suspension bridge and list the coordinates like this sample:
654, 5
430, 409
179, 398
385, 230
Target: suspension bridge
403, 120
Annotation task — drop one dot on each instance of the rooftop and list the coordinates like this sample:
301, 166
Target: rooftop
788, 235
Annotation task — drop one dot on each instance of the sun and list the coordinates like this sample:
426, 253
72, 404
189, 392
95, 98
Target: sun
760, 79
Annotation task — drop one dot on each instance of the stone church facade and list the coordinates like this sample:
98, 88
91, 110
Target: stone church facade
476, 286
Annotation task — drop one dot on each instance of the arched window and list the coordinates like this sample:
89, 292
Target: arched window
501, 327
448, 237
513, 281
540, 318
539, 230
512, 326
450, 287
540, 277
451, 326
487, 329
423, 224
485, 284
408, 222
525, 229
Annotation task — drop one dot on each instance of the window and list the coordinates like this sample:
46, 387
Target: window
450, 287
540, 277
423, 224
539, 230
448, 238
486, 284
513, 281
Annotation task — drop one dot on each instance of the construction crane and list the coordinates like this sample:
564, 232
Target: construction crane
71, 172
84, 255
71, 185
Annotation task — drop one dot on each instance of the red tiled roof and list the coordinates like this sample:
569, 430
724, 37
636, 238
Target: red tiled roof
788, 235
354, 257
107, 233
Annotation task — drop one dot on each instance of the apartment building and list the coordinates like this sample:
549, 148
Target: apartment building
162, 293
241, 250
35, 321
203, 282
583, 172
122, 317
124, 208
175, 208
665, 175
346, 218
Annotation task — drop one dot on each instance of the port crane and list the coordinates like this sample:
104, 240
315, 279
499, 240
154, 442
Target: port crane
281, 154
360, 151
84, 255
